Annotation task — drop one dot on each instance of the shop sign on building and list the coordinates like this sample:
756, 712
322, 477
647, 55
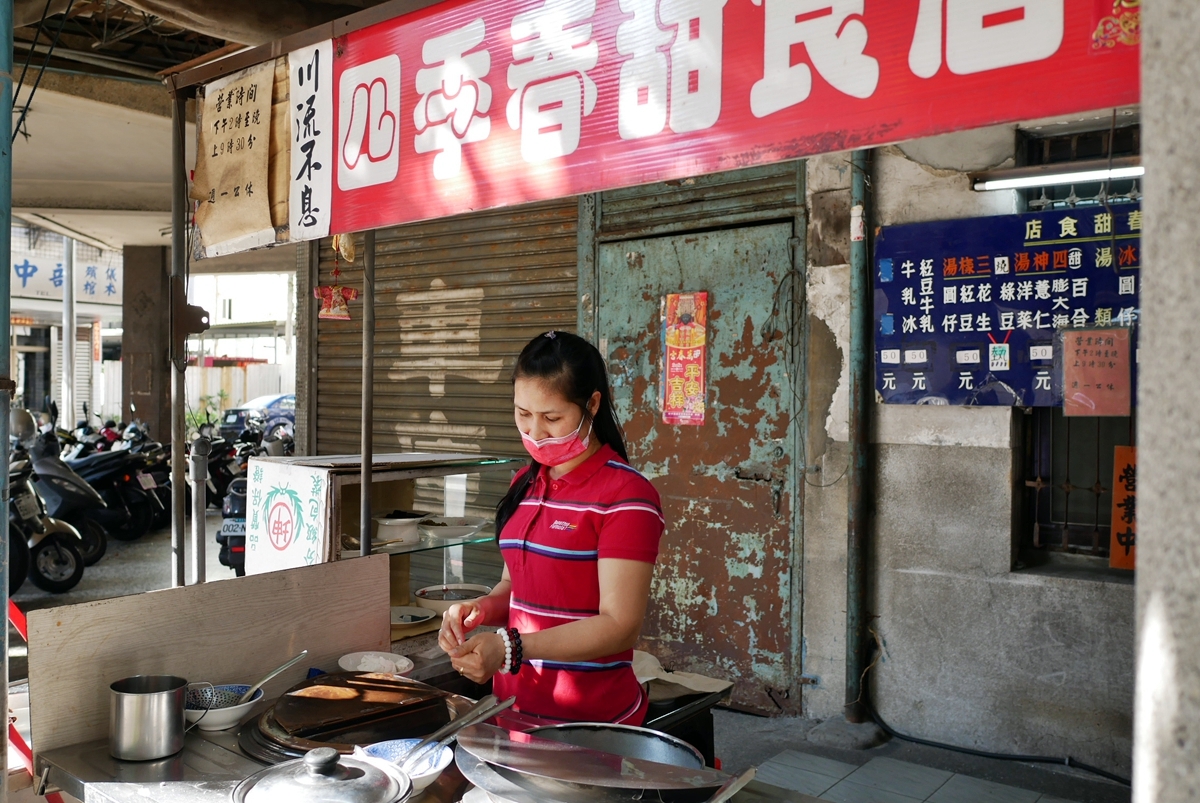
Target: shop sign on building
974, 312
489, 103
37, 272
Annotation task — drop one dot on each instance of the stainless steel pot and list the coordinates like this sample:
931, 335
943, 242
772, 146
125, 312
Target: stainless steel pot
146, 719
326, 776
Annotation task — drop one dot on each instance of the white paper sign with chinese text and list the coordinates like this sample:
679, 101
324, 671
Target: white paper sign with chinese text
232, 160
310, 74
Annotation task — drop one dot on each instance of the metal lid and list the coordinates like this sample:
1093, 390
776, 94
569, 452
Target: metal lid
326, 776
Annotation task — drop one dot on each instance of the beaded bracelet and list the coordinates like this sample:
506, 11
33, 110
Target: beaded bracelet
508, 650
518, 650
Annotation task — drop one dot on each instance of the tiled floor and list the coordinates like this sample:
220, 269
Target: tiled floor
885, 780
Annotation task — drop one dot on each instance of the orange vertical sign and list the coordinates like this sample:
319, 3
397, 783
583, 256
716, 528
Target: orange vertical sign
1122, 550
684, 375
1096, 372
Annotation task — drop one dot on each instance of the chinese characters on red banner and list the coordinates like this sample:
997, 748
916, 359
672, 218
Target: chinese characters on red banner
684, 376
1122, 550
495, 102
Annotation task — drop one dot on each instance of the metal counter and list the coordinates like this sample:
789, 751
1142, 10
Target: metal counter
205, 771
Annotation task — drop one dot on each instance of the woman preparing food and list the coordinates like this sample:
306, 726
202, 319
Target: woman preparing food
579, 531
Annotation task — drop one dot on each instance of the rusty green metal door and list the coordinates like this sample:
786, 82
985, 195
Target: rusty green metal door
722, 602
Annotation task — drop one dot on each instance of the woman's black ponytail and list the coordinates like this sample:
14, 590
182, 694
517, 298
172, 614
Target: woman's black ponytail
574, 368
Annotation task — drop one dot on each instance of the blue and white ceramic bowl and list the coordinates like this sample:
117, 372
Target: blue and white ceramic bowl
223, 715
426, 772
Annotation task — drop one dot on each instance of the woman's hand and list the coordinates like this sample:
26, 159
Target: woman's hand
457, 622
479, 658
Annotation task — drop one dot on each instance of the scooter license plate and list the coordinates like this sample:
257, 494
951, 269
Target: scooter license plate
27, 507
235, 467
147, 482
233, 527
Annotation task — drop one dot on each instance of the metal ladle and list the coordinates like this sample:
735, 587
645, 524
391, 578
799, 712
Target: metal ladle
250, 692
487, 707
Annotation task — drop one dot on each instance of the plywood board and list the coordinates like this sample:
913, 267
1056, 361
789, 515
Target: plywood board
228, 632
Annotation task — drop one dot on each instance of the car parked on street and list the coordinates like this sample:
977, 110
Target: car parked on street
277, 412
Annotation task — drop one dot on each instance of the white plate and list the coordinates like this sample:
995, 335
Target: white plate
451, 526
350, 663
410, 615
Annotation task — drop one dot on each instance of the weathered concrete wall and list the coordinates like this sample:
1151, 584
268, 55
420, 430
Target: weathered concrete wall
1167, 755
826, 445
974, 653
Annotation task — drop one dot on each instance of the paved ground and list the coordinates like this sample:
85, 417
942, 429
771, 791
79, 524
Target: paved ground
126, 568
743, 741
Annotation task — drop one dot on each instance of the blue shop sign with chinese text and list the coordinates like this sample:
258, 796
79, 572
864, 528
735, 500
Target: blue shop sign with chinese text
967, 311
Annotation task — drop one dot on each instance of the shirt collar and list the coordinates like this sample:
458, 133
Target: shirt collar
585, 470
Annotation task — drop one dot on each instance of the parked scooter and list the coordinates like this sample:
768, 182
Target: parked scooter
122, 482
54, 562
232, 536
68, 496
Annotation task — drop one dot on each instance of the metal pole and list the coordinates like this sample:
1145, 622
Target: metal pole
67, 391
178, 361
200, 449
368, 390
860, 400
6, 391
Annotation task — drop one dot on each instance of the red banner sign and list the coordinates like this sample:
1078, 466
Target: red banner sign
1122, 550
485, 103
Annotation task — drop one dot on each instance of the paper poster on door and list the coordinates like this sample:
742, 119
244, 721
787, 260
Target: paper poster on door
1096, 372
1122, 550
684, 379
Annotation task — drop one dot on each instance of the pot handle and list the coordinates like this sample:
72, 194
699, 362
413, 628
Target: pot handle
211, 697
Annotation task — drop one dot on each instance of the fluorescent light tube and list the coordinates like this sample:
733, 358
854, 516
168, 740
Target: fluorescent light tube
1048, 179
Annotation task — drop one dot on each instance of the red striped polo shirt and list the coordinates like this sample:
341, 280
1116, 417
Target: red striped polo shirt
601, 509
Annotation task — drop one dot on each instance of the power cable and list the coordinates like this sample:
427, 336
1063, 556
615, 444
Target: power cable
41, 72
37, 32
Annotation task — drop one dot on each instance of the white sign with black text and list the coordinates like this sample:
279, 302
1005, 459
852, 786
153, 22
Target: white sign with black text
310, 200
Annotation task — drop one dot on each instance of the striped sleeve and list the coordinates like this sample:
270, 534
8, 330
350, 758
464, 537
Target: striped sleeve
634, 524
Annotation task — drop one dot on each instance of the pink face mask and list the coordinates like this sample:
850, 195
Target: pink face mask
556, 451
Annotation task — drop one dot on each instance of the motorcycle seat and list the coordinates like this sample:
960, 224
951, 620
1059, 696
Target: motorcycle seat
93, 461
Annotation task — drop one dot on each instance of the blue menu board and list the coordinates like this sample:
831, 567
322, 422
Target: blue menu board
969, 312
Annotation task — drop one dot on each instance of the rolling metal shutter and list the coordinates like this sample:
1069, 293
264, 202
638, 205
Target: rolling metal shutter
715, 200
455, 301
83, 378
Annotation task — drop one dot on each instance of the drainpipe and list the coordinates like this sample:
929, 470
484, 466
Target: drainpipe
179, 204
368, 391
67, 390
6, 384
860, 405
